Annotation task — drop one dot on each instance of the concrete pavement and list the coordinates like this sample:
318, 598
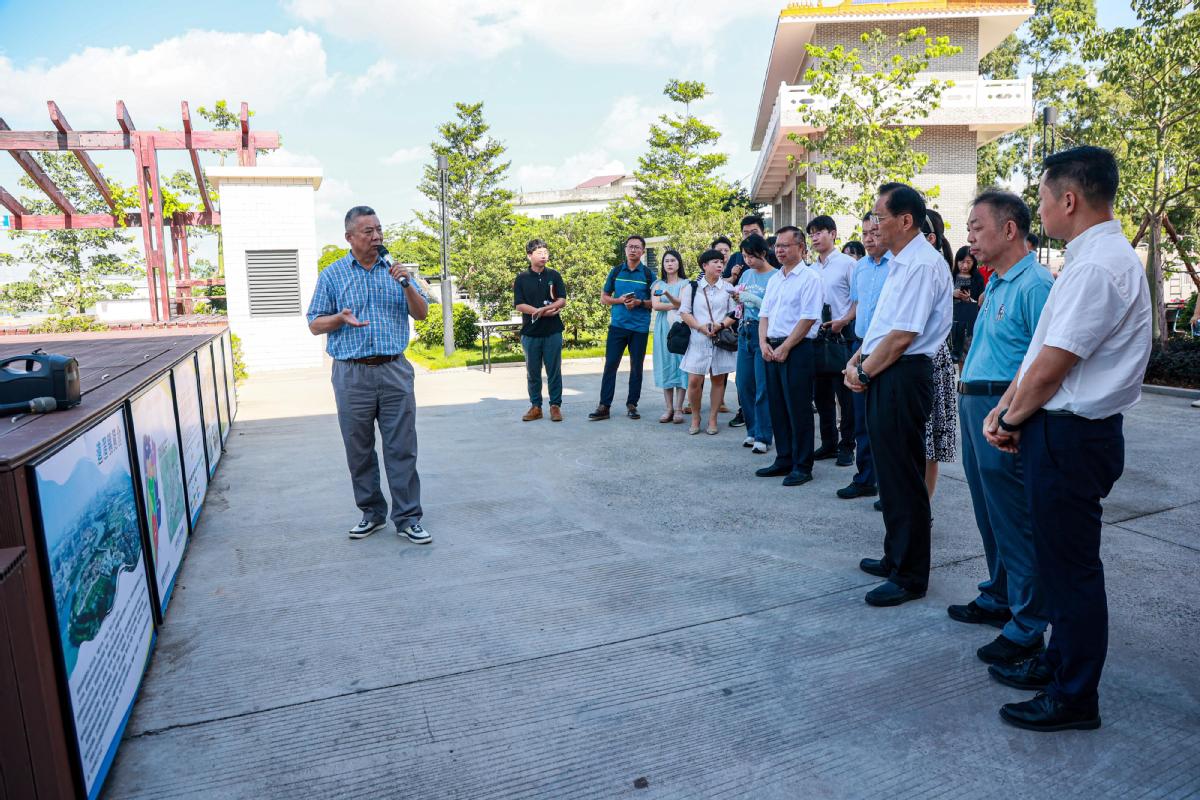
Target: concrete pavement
619, 609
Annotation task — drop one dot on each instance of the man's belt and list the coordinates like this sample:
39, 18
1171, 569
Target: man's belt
983, 388
373, 361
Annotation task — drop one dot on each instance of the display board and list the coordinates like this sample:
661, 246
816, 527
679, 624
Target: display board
92, 546
208, 403
191, 431
230, 381
160, 473
222, 398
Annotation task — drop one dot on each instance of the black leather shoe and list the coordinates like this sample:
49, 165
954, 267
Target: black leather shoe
773, 471
889, 594
845, 458
856, 490
1003, 650
1031, 674
825, 452
874, 566
879, 506
797, 478
632, 412
601, 412
974, 614
1045, 714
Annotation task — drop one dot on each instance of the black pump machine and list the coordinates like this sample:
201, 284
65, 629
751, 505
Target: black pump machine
28, 383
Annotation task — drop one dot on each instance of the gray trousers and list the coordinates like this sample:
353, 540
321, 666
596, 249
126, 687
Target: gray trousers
384, 394
997, 485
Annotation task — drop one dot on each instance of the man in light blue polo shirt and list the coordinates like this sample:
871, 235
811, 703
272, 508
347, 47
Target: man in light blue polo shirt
627, 291
1011, 306
865, 286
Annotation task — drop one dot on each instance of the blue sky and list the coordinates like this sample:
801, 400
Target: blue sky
359, 87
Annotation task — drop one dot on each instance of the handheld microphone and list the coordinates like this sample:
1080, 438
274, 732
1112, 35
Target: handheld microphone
38, 405
387, 262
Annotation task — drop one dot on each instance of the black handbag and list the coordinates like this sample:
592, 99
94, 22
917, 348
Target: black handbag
724, 338
680, 334
831, 350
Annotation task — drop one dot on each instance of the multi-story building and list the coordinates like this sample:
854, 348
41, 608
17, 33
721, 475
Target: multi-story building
973, 111
594, 194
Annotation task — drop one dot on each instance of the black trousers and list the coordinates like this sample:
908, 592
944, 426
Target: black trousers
825, 389
614, 348
899, 401
1072, 463
789, 395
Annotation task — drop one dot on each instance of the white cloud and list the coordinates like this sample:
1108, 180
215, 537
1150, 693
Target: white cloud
271, 71
625, 31
571, 171
288, 158
406, 155
378, 75
330, 203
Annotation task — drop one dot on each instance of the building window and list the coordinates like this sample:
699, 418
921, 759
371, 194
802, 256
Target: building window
273, 280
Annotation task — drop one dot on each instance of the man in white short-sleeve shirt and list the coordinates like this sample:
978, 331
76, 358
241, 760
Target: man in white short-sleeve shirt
894, 368
1062, 414
836, 270
787, 324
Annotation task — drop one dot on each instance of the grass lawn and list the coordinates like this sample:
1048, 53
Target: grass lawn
503, 352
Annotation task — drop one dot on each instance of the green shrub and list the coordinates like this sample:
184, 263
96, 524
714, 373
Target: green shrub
429, 330
73, 324
239, 360
1177, 364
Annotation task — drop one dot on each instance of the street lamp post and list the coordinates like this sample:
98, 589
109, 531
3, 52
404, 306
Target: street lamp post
443, 167
1050, 121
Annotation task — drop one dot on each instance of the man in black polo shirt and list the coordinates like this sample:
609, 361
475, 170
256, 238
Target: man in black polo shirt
539, 294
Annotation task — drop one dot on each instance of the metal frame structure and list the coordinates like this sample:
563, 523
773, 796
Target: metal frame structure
145, 146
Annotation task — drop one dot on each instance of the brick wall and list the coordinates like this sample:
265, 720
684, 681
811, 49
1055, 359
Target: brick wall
963, 33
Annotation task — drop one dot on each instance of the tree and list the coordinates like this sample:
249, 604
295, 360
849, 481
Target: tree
1151, 73
477, 204
677, 176
862, 115
1049, 47
72, 269
329, 254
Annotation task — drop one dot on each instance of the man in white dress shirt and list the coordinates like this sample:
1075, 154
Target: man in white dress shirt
1063, 415
836, 270
787, 324
894, 367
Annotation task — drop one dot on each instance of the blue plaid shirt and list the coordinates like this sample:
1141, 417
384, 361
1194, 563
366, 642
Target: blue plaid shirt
374, 296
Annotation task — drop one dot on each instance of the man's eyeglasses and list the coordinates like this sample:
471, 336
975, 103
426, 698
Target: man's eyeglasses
876, 219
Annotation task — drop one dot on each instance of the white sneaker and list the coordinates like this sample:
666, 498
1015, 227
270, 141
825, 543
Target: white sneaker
365, 528
761, 447
416, 534
748, 442
1196, 404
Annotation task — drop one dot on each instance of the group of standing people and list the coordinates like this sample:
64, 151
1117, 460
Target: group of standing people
1052, 366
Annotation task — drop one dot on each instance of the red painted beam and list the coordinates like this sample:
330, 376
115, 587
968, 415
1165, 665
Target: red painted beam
89, 166
247, 157
123, 118
12, 203
39, 177
38, 222
201, 184
112, 140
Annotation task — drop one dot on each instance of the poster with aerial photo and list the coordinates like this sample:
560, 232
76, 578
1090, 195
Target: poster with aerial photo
191, 430
160, 470
208, 402
222, 398
230, 383
93, 546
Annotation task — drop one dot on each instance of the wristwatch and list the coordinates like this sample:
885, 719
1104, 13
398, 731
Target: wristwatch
863, 377
1006, 426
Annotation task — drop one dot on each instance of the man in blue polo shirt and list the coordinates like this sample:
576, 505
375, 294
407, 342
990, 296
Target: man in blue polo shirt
865, 286
627, 291
1011, 306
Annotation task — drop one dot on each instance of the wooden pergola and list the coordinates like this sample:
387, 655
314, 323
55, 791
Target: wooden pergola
145, 146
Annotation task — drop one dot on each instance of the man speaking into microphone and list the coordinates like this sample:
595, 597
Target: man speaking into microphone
363, 302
